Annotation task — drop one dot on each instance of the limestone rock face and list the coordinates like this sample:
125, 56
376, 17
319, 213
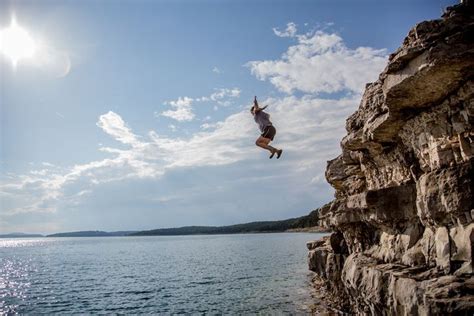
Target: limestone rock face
404, 183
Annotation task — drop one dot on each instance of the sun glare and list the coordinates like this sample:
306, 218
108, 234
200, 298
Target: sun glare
16, 43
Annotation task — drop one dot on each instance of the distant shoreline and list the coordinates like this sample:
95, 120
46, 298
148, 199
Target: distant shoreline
309, 230
305, 224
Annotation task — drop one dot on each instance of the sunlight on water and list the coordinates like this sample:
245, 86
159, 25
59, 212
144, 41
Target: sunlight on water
264, 273
13, 243
14, 276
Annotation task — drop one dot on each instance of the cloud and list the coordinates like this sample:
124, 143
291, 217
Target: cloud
222, 96
307, 128
222, 93
290, 31
208, 125
321, 63
182, 110
216, 70
113, 125
148, 156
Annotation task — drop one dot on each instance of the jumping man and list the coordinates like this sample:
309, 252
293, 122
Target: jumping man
266, 127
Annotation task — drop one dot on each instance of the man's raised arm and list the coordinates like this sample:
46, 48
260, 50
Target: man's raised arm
256, 108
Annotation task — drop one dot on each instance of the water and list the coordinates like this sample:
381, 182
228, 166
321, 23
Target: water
251, 273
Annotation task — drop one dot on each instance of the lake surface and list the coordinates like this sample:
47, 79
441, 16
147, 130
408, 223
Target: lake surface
249, 273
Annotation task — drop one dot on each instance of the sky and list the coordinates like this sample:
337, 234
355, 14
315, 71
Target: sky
134, 115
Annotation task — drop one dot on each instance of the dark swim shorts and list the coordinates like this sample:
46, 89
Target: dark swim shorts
269, 132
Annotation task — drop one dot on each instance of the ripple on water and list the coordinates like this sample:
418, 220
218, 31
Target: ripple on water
264, 273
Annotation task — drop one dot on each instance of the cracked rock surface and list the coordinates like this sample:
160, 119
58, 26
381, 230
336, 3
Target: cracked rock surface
402, 217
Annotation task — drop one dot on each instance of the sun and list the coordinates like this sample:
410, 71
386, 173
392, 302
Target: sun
16, 43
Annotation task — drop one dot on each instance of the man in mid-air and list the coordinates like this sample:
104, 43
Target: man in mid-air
266, 127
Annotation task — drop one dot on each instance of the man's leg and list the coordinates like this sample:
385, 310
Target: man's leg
263, 143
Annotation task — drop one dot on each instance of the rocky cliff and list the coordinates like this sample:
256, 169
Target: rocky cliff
402, 218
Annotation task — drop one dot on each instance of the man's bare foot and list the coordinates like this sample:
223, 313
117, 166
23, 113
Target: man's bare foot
278, 152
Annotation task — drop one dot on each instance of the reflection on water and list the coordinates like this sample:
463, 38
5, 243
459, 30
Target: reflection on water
182, 274
13, 243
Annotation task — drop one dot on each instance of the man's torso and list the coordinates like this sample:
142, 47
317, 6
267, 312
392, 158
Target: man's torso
263, 120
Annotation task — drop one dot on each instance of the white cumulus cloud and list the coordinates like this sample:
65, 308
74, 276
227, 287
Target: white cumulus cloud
321, 63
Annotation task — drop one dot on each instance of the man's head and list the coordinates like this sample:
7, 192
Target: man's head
252, 110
